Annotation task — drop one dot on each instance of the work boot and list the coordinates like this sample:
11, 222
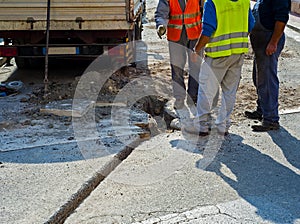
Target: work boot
253, 115
179, 104
266, 126
192, 101
191, 129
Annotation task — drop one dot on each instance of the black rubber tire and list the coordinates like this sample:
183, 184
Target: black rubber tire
22, 63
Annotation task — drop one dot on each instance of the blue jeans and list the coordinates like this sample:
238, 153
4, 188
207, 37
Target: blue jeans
179, 52
265, 74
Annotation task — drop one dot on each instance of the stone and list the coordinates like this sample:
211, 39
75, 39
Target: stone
175, 124
66, 108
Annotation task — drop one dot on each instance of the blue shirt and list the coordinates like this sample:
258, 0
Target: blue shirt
209, 19
271, 11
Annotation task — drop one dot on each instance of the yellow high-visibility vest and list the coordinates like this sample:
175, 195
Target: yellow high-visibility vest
231, 35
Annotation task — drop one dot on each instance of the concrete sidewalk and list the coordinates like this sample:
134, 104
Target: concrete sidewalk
173, 178
248, 178
46, 172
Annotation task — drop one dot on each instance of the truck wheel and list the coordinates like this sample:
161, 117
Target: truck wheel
36, 62
22, 63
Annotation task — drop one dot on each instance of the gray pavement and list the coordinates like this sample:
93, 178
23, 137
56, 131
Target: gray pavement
36, 182
46, 173
252, 178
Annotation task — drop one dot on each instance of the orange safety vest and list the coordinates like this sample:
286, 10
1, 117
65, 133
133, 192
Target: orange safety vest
190, 18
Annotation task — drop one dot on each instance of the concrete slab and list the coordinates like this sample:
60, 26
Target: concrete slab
175, 178
294, 23
35, 183
46, 172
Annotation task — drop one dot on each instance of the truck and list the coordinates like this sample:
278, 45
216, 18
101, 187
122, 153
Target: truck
85, 29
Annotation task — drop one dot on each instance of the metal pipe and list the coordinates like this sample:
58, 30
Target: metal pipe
47, 47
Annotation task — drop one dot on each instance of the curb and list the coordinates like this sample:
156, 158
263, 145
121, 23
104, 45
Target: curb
293, 28
86, 188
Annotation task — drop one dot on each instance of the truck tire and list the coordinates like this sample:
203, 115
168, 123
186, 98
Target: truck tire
22, 63
36, 63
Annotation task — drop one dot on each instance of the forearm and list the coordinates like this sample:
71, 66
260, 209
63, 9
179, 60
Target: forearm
278, 31
209, 25
202, 41
161, 14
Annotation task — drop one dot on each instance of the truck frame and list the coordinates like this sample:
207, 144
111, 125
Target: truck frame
77, 28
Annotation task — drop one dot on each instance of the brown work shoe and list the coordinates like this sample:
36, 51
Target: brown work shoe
178, 104
253, 115
266, 126
194, 131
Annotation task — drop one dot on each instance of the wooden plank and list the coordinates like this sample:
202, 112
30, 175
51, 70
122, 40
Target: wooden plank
64, 14
31, 2
63, 10
68, 25
63, 4
55, 3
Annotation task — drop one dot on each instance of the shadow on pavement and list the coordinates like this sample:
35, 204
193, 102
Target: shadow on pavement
272, 188
289, 145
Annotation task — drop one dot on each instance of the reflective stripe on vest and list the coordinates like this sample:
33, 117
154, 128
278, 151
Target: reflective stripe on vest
231, 35
174, 26
190, 18
192, 15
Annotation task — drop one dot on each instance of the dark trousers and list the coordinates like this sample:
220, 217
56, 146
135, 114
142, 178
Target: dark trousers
265, 76
179, 53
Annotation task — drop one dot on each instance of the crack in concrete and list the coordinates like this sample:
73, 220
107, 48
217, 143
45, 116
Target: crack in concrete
175, 217
226, 214
185, 216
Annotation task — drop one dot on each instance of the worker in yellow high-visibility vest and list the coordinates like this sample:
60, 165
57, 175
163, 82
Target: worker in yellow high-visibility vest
226, 25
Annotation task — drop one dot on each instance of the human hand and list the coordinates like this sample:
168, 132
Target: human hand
196, 56
161, 30
271, 49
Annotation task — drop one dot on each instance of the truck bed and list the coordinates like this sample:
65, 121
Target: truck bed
67, 14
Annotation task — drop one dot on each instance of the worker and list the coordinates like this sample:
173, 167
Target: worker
226, 24
267, 40
181, 20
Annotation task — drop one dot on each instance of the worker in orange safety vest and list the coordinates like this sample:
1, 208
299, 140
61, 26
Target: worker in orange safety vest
181, 20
